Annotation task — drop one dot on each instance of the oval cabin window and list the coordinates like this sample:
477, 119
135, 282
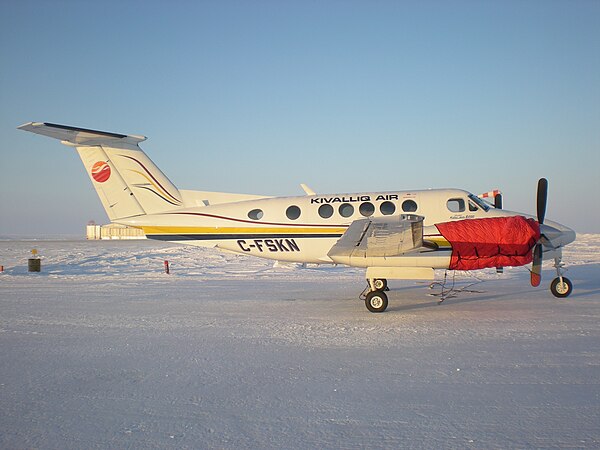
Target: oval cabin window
366, 209
325, 211
255, 214
293, 212
346, 210
409, 206
387, 208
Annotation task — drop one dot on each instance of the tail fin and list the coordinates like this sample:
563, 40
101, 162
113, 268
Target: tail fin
126, 180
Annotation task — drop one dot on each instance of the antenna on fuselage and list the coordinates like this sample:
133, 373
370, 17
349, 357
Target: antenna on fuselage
307, 190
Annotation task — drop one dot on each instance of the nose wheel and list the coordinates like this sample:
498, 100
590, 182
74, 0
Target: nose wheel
560, 287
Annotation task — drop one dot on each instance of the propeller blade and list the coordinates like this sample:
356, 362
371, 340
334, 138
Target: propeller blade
498, 201
542, 197
536, 268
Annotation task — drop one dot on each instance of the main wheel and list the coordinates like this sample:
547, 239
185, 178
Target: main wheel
380, 284
561, 289
376, 301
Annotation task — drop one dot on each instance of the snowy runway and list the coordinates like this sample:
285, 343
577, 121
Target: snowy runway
103, 350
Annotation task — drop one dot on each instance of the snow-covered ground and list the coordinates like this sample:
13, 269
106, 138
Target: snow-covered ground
104, 350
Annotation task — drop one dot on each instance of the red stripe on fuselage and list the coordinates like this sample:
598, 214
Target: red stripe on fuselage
214, 216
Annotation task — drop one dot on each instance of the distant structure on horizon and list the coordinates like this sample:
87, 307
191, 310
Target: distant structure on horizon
112, 231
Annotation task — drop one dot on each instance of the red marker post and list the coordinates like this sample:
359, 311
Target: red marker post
167, 267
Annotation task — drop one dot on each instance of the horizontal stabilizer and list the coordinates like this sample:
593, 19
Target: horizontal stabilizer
82, 136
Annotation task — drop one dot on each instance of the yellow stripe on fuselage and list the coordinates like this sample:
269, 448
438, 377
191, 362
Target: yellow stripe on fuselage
440, 241
242, 230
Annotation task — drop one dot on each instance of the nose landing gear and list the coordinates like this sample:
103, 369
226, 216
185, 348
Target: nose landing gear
560, 287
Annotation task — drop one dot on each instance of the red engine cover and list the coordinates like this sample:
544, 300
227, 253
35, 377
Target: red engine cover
493, 242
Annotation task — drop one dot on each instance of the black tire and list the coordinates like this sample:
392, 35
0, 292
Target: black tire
561, 290
380, 284
376, 301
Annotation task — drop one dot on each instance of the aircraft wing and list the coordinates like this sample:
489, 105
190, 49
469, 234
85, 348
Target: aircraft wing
380, 236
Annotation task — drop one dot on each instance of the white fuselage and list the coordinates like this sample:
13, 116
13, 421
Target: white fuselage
304, 228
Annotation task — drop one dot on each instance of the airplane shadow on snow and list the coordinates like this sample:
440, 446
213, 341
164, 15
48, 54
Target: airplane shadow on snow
585, 278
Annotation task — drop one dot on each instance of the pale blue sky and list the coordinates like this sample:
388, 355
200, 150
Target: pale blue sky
345, 96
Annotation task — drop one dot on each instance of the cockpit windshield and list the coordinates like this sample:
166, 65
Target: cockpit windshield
483, 205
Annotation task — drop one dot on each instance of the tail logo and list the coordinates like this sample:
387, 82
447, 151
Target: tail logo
100, 171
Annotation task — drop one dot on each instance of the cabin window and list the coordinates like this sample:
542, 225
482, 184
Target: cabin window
325, 211
293, 212
256, 214
456, 205
409, 206
366, 209
346, 210
472, 206
387, 208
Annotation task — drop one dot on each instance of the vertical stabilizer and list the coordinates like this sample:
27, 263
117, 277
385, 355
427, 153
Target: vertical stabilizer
126, 180
116, 197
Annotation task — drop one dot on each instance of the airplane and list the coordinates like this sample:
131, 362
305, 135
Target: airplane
395, 235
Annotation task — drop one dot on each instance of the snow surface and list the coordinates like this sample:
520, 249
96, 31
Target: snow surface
104, 350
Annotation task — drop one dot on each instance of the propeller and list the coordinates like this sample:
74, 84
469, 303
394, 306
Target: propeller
536, 267
542, 198
538, 253
498, 201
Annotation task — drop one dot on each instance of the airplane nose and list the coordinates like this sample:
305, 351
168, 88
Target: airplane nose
558, 235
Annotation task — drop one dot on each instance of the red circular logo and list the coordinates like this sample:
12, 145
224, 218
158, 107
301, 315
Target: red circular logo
100, 171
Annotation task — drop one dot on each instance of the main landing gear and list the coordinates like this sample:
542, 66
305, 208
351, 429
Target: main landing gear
560, 287
375, 298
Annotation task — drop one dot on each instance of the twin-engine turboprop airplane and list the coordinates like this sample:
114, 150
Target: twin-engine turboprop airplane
394, 235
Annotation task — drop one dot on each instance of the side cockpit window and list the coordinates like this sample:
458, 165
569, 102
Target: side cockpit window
456, 205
